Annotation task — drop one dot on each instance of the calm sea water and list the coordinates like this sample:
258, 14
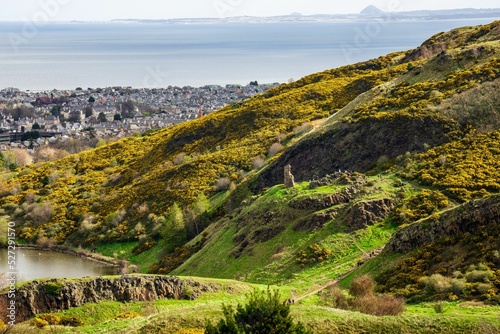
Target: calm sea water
70, 55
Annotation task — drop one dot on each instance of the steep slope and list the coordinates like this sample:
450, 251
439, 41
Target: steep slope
309, 233
395, 118
448, 256
415, 204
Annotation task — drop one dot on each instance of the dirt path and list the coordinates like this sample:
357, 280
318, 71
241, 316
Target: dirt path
366, 255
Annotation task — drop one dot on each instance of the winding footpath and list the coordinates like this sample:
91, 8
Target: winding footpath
364, 257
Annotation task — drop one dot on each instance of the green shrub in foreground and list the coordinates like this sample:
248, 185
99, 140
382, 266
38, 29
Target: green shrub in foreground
263, 313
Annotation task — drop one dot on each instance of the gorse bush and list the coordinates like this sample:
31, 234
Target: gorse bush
470, 171
419, 206
446, 268
43, 320
314, 254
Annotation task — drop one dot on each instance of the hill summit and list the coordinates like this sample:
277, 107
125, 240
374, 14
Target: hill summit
372, 11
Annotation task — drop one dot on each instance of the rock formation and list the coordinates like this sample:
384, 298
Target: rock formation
53, 295
466, 218
364, 214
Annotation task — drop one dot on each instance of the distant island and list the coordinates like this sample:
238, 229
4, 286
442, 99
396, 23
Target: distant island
369, 13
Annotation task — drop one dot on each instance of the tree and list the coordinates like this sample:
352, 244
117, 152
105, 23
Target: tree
30, 135
56, 111
4, 227
127, 109
18, 157
264, 313
89, 111
74, 118
200, 206
20, 112
196, 214
36, 126
117, 117
91, 99
174, 231
101, 117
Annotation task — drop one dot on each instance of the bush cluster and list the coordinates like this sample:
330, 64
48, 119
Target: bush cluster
43, 320
476, 281
420, 206
448, 268
314, 254
362, 298
469, 170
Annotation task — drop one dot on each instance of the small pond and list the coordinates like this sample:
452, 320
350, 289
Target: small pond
32, 264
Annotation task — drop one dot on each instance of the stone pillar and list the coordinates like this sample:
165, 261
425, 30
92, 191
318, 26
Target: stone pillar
289, 179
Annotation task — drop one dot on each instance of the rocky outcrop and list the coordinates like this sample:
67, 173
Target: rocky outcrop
315, 221
340, 178
364, 214
324, 201
355, 217
464, 219
53, 295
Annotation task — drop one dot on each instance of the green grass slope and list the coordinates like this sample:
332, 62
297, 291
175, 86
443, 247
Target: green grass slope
299, 236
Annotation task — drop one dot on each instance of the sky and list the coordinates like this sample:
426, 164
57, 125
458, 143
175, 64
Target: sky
103, 10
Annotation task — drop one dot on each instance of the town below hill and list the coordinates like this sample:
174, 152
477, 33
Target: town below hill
30, 119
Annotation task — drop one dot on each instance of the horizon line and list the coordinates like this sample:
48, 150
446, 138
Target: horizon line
293, 14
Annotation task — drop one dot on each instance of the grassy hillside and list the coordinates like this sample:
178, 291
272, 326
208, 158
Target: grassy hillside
299, 235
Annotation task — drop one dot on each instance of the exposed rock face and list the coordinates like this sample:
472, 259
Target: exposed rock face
322, 201
356, 217
354, 147
464, 219
289, 179
315, 221
341, 178
50, 296
364, 214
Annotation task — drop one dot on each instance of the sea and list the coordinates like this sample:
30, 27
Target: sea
68, 55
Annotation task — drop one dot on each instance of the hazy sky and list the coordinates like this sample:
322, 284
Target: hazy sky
63, 10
